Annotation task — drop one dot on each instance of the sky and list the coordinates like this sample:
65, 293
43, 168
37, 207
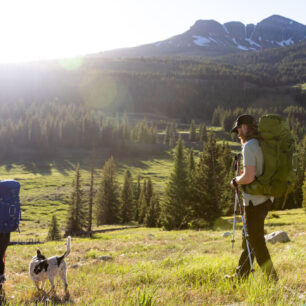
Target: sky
32, 30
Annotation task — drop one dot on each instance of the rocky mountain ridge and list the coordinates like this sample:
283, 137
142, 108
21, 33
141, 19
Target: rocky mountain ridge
211, 38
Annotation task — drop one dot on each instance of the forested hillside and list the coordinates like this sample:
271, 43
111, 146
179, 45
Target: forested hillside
69, 103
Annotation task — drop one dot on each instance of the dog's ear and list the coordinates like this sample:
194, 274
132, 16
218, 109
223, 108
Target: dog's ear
39, 255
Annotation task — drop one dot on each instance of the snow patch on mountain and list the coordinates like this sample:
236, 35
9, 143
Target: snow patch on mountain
225, 28
202, 41
213, 40
239, 46
252, 42
287, 42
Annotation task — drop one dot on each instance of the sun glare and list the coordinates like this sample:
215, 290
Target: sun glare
35, 30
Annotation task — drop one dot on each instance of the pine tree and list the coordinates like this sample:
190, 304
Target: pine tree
76, 221
167, 134
175, 207
107, 198
149, 191
172, 134
142, 203
191, 162
304, 193
153, 213
54, 233
144, 199
171, 141
226, 193
90, 202
300, 174
192, 131
205, 193
127, 208
203, 133
136, 194
125, 127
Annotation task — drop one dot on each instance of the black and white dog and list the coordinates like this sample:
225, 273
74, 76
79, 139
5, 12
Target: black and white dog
42, 268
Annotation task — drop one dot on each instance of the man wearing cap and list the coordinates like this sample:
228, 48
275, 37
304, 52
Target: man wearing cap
255, 206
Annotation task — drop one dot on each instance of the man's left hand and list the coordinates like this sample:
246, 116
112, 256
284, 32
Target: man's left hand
234, 184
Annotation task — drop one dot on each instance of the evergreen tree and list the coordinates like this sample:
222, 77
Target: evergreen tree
227, 196
203, 133
149, 191
125, 127
54, 232
90, 202
175, 207
153, 212
136, 194
171, 141
142, 203
206, 191
172, 134
167, 134
304, 192
191, 162
300, 173
127, 209
76, 221
144, 199
107, 198
192, 131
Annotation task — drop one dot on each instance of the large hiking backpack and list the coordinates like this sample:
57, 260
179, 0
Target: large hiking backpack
279, 173
10, 212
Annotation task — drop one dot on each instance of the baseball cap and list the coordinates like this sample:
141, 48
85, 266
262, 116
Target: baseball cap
243, 119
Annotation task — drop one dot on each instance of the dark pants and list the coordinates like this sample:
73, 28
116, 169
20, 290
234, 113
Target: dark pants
255, 218
4, 241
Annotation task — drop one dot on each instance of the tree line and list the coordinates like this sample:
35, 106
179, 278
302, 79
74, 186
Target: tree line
197, 192
110, 203
194, 194
47, 128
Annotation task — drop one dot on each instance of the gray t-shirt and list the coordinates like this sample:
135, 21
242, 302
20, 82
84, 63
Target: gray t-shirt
253, 156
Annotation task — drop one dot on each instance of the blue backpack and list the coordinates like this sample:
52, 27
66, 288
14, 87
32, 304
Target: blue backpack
10, 212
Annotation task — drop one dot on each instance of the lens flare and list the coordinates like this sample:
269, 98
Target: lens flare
71, 63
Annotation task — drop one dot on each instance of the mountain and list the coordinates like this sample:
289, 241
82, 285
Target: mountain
209, 38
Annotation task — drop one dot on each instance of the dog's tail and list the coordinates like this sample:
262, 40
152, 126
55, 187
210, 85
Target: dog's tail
60, 259
68, 247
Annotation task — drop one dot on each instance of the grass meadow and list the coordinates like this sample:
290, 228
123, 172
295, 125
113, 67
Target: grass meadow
149, 266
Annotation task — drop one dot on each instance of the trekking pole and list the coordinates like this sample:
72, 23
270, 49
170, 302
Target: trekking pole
237, 199
235, 206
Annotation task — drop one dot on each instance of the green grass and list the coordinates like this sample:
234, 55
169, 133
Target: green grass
46, 190
149, 266
155, 267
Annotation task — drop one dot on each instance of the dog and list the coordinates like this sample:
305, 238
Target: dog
42, 268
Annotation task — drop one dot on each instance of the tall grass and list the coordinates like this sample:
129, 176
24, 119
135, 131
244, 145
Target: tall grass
154, 267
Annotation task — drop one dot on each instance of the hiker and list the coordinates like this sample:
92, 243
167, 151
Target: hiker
4, 241
9, 218
255, 206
